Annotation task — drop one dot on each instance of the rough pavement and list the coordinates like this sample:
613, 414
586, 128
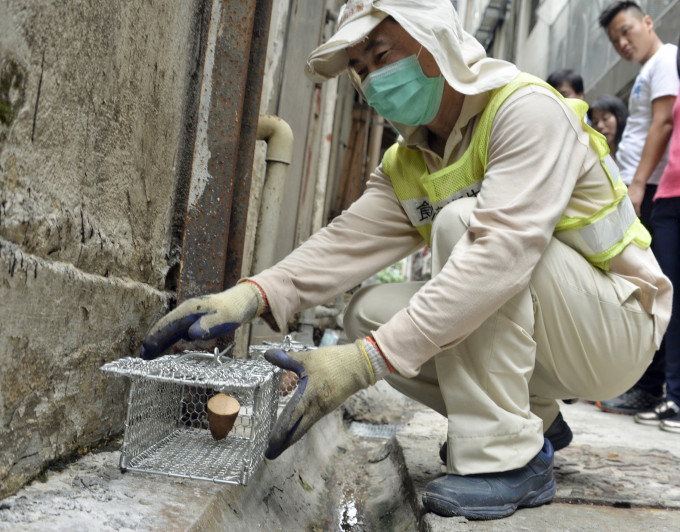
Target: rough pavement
616, 475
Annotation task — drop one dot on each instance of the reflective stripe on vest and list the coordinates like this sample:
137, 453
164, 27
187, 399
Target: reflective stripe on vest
604, 233
598, 237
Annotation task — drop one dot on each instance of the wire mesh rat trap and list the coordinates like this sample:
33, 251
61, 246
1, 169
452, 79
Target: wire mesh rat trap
289, 380
167, 430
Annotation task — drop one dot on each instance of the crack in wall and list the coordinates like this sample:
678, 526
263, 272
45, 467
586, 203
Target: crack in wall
37, 96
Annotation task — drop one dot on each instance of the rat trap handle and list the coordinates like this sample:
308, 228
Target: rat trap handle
220, 358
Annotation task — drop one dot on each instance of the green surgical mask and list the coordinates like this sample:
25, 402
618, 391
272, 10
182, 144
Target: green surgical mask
402, 93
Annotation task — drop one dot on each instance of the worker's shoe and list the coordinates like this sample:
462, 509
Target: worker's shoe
494, 495
671, 424
665, 410
558, 433
631, 402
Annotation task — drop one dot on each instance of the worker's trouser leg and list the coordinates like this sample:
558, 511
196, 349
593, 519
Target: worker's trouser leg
573, 332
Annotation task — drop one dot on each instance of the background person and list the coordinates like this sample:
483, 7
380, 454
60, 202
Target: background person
608, 115
666, 244
567, 82
642, 152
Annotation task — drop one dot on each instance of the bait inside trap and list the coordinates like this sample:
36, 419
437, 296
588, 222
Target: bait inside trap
167, 430
289, 380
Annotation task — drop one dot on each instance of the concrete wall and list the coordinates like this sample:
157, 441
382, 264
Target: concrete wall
529, 41
96, 107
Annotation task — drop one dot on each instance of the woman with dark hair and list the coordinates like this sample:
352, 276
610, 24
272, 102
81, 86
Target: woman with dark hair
608, 115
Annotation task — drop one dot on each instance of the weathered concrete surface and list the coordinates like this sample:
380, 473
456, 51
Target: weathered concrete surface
88, 156
58, 326
93, 494
320, 484
561, 517
323, 484
96, 103
333, 480
615, 475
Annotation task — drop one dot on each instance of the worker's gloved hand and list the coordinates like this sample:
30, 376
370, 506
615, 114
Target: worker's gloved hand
204, 317
327, 377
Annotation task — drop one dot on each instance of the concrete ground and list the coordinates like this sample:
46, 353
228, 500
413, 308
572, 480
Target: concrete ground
616, 475
367, 475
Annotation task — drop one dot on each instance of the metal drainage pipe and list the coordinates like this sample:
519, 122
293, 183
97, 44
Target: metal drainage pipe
279, 137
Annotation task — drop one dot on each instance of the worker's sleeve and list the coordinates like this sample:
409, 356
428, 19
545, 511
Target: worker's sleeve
373, 233
536, 154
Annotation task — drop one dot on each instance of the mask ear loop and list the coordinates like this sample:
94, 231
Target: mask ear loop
418, 55
356, 82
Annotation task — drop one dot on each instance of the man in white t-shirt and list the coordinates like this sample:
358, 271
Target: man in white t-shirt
643, 151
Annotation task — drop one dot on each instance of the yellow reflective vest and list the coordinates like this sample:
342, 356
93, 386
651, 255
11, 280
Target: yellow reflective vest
599, 236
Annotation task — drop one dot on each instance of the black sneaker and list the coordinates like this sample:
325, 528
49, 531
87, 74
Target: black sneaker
494, 495
671, 424
666, 410
558, 433
633, 401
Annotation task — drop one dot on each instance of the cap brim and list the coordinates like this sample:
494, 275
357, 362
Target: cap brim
331, 58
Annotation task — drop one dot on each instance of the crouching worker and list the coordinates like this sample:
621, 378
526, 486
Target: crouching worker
543, 283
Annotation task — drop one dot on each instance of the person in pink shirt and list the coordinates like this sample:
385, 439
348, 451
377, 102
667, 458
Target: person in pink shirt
666, 246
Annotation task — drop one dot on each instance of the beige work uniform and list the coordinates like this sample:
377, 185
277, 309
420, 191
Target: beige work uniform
512, 319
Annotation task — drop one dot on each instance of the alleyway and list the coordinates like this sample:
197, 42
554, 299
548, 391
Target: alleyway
615, 476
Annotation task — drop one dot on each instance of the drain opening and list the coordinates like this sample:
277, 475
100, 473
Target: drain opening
371, 430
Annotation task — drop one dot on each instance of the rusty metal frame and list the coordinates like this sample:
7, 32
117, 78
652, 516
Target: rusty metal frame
244, 163
212, 247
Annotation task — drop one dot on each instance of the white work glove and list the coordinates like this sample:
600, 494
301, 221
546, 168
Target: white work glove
205, 317
327, 376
